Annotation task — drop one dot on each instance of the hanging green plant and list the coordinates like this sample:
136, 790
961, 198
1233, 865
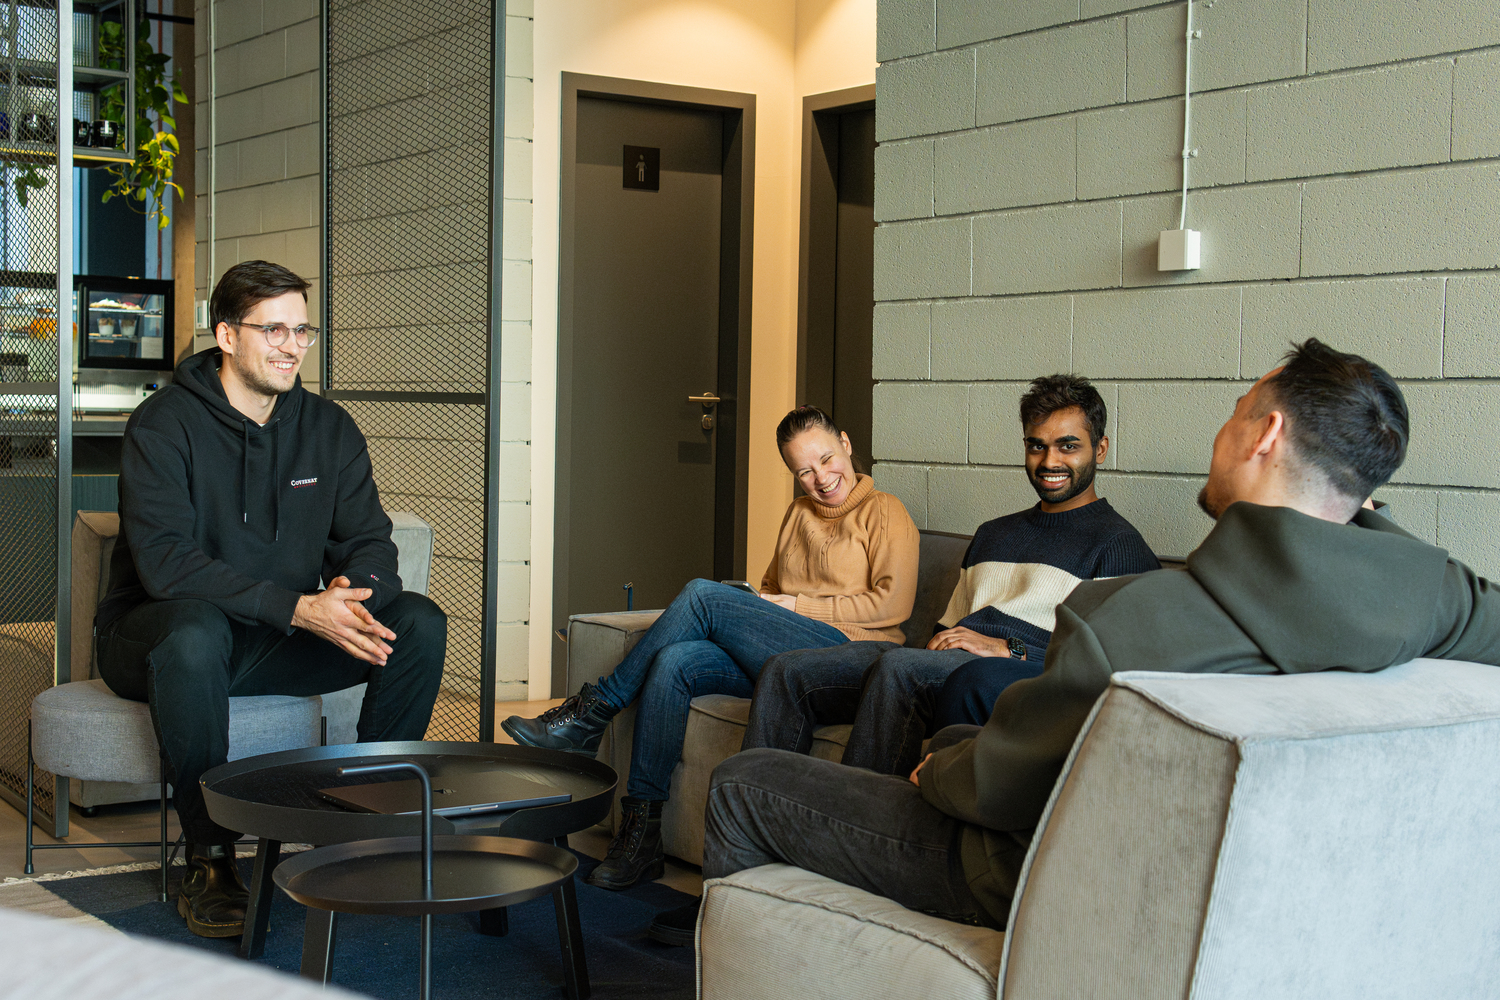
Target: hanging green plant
147, 178
28, 177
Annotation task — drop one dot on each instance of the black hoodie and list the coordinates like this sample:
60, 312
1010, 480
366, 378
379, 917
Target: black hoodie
216, 507
1270, 591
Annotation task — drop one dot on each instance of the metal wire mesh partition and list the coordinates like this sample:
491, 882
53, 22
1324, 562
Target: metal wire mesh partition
33, 443
412, 126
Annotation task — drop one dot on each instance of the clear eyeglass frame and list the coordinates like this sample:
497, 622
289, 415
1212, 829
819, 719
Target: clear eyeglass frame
276, 334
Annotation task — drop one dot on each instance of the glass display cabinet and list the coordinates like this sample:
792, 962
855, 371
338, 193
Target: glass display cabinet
123, 323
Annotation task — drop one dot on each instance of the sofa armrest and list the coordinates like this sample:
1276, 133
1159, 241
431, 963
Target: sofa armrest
597, 643
778, 931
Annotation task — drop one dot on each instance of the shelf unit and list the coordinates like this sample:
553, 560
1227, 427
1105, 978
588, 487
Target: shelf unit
25, 80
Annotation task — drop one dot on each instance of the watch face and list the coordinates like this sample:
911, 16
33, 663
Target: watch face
1017, 648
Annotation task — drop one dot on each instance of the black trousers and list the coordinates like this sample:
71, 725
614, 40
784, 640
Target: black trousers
186, 658
884, 689
871, 831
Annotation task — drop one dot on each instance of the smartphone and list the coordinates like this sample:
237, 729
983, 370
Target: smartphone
740, 585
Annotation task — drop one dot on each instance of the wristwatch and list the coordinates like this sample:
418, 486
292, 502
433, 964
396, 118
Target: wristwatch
1017, 648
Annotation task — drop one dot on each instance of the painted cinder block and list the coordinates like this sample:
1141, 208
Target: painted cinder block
1101, 8
1248, 233
907, 483
915, 260
903, 180
961, 22
1471, 327
1032, 163
1137, 149
1051, 72
515, 352
1397, 323
1444, 416
518, 105
960, 500
901, 340
995, 423
520, 46
905, 28
1163, 509
1002, 338
1241, 43
925, 95
1476, 106
515, 412
1416, 510
920, 422
1432, 219
1047, 249
1170, 426
1172, 333
1393, 117
1468, 526
1342, 34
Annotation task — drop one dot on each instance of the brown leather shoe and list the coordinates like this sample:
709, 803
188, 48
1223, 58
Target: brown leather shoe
213, 897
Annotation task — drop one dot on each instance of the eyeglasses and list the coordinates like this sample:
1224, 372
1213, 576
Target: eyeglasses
276, 333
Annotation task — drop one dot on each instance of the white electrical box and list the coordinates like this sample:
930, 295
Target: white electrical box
1179, 250
200, 314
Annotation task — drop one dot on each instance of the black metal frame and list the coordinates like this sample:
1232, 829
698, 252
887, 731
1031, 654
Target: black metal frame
490, 398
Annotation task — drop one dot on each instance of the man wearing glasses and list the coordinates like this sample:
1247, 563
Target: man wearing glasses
239, 493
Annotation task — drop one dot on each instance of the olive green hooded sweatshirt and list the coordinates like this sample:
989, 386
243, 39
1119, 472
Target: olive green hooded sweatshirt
1269, 591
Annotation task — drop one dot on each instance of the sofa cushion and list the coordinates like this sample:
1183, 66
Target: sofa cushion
781, 932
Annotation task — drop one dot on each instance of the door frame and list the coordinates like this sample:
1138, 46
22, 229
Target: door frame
736, 260
817, 246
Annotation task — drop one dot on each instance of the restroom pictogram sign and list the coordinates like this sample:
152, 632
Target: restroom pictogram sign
643, 167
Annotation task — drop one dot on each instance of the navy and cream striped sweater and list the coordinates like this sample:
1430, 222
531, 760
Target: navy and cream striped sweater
1020, 567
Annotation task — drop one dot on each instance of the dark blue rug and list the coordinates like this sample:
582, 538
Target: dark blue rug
378, 955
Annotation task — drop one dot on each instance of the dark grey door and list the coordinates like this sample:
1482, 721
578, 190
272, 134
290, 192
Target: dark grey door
646, 320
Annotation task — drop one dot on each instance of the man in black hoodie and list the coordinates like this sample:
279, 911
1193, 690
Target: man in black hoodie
239, 492
1295, 577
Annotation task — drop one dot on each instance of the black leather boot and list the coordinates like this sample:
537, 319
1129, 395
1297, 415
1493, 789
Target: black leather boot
677, 927
213, 898
576, 725
635, 855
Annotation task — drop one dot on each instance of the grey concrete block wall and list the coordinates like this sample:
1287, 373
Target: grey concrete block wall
1030, 155
269, 159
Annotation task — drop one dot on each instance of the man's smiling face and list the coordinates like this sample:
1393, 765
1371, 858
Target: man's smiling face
1061, 458
261, 368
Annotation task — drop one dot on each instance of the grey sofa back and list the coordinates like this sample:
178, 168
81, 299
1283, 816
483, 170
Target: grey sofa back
941, 557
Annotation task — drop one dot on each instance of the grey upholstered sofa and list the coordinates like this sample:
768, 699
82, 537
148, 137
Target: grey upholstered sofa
716, 725
1327, 836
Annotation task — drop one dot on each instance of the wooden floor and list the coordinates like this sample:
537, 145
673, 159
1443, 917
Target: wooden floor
139, 821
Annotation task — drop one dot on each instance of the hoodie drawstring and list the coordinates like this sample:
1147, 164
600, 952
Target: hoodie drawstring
245, 475
276, 481
275, 478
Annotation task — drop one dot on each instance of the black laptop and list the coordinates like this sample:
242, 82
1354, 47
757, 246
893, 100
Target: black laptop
452, 796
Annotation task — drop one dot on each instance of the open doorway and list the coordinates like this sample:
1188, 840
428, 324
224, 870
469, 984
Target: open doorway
836, 300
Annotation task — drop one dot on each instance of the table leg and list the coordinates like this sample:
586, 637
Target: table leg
258, 913
570, 936
317, 944
494, 923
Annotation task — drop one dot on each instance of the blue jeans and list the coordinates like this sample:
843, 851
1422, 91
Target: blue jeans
712, 639
968, 696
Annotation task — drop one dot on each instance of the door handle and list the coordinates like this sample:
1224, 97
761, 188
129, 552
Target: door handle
709, 401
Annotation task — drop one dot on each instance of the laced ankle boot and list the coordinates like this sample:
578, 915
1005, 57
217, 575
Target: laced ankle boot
635, 855
576, 725
213, 898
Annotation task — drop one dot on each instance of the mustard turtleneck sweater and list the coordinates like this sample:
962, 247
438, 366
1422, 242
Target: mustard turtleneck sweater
853, 566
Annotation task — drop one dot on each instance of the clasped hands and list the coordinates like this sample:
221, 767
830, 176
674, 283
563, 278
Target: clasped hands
337, 615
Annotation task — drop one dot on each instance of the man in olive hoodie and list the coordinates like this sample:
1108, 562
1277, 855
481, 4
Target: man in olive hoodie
1294, 577
239, 492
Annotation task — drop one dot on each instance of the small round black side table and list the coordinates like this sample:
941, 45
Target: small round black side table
275, 797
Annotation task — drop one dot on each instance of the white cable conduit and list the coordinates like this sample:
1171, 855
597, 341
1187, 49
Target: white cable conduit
213, 144
1187, 113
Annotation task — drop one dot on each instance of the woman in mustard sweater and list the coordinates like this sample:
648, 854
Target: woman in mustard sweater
845, 568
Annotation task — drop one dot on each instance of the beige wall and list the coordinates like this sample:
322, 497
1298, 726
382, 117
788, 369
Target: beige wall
778, 50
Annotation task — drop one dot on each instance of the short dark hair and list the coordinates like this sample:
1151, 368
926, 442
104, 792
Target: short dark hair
1051, 393
247, 283
1345, 415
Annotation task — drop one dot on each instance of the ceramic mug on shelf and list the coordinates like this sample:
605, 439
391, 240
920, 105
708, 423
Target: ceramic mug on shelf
106, 134
36, 128
81, 132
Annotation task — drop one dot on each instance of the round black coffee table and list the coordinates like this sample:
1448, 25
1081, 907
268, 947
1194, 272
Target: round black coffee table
275, 797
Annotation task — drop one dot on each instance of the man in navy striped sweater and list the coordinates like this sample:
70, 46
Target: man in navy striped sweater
999, 620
